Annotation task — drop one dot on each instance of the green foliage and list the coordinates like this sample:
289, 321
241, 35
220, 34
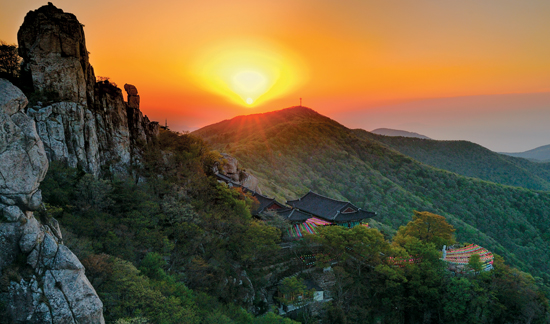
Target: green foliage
184, 231
9, 62
167, 250
300, 150
128, 294
475, 263
407, 282
293, 291
152, 265
469, 159
427, 227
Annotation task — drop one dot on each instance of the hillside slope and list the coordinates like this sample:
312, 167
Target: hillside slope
538, 154
294, 150
469, 159
396, 132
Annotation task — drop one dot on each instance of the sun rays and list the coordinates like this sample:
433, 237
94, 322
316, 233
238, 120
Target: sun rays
249, 72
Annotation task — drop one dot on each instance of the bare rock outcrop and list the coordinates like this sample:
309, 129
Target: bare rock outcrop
81, 122
141, 128
230, 168
41, 280
23, 163
53, 47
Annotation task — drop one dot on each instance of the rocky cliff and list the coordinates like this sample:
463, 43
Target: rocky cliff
73, 119
80, 121
41, 280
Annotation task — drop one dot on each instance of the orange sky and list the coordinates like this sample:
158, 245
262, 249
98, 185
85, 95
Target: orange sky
367, 63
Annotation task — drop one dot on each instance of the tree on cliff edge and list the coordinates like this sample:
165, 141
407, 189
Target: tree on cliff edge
9, 61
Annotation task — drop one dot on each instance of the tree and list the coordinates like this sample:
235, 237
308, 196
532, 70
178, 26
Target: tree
9, 61
293, 291
475, 263
427, 227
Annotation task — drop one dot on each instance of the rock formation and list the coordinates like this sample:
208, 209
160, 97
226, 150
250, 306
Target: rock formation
81, 122
41, 280
231, 169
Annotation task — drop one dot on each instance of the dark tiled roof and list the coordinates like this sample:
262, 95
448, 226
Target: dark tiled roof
294, 215
318, 205
328, 208
352, 217
266, 202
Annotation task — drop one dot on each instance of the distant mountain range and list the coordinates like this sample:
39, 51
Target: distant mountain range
295, 150
539, 154
469, 159
396, 132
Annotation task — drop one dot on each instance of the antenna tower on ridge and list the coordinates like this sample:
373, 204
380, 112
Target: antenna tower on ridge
300, 102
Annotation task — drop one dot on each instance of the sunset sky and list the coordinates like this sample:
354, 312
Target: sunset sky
477, 70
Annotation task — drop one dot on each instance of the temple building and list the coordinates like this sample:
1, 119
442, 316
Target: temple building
457, 259
308, 212
267, 204
337, 212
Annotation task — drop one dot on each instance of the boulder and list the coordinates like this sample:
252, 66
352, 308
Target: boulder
133, 97
12, 99
231, 167
13, 214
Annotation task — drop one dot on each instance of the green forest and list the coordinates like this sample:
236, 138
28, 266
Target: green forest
296, 150
469, 159
168, 243
168, 249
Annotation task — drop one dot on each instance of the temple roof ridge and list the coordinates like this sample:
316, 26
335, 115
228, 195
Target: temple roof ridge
319, 195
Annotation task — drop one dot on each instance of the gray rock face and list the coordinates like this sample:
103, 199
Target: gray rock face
23, 162
51, 287
82, 122
53, 46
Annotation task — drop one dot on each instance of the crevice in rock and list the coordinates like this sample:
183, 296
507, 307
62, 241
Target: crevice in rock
3, 178
54, 257
39, 257
64, 296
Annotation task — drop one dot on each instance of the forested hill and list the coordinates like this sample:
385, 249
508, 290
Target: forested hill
538, 154
294, 150
469, 159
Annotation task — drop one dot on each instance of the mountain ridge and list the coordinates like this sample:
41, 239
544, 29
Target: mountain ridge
538, 154
470, 159
295, 150
397, 132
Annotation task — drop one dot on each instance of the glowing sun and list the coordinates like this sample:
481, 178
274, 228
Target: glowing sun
249, 72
